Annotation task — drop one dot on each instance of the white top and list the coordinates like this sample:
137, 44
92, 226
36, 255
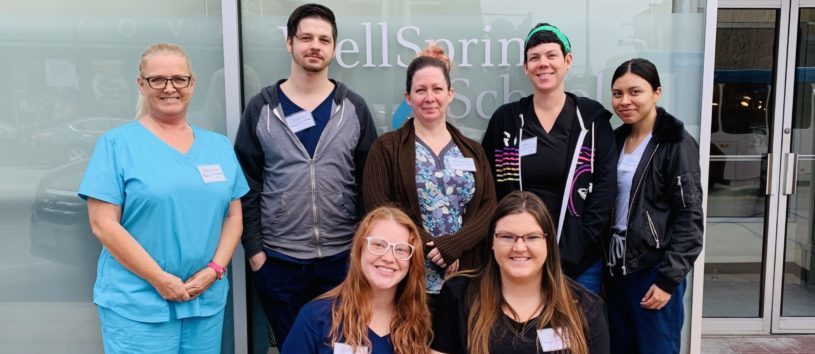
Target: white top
626, 167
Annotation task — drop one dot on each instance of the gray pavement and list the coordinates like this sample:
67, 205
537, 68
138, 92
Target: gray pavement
798, 344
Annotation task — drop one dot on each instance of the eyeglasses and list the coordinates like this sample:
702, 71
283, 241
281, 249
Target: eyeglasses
160, 82
379, 246
531, 240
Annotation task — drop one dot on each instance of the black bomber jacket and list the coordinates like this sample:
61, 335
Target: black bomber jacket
665, 219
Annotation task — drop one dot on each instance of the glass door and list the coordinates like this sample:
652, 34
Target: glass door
794, 288
741, 188
759, 246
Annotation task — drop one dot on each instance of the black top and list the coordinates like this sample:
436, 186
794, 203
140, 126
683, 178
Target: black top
594, 180
515, 337
451, 310
668, 198
545, 172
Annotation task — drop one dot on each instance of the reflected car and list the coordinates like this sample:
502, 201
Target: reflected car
60, 230
70, 141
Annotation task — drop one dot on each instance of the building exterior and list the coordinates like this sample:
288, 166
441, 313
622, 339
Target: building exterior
738, 73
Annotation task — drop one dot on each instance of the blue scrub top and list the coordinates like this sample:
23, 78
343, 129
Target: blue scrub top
169, 209
309, 333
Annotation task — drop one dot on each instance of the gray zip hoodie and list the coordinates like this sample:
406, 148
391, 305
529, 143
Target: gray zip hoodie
301, 206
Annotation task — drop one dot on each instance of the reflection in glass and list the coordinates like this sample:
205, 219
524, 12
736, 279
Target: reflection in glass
740, 140
69, 72
798, 292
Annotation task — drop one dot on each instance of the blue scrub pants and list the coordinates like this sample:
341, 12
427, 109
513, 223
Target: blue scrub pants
285, 286
187, 335
635, 329
592, 278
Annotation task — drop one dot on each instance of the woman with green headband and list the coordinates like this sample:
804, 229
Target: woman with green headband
561, 148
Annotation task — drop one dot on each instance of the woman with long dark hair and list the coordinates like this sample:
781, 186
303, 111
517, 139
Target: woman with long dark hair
657, 228
519, 301
380, 307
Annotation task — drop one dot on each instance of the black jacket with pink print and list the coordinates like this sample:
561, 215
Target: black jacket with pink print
591, 184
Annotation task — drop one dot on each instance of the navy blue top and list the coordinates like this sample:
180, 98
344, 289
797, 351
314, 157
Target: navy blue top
309, 334
309, 137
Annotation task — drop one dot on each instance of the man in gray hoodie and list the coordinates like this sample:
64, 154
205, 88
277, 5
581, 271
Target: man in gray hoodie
302, 143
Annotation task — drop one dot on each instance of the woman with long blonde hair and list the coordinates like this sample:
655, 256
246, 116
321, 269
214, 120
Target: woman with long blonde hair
519, 301
380, 307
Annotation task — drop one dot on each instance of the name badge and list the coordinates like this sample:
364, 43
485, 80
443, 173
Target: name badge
211, 173
552, 340
529, 146
300, 121
342, 348
462, 163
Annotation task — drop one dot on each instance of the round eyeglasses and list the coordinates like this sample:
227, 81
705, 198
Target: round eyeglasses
379, 246
160, 82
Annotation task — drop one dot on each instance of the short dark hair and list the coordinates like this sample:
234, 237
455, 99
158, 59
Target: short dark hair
640, 67
541, 37
310, 10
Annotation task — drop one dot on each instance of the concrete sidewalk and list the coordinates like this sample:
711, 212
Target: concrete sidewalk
758, 344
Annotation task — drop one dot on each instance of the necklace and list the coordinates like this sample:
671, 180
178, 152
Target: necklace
519, 329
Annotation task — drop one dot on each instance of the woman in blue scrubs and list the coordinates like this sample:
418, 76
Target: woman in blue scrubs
164, 201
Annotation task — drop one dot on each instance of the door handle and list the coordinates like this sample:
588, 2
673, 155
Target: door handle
790, 173
768, 188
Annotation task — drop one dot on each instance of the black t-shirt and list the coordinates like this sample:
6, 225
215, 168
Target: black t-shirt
545, 172
514, 337
450, 313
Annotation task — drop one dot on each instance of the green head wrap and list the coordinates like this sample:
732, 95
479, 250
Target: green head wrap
556, 32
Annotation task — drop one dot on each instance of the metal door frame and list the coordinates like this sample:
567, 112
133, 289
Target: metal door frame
787, 324
770, 320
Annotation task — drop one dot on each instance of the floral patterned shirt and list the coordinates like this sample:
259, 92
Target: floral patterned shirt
443, 193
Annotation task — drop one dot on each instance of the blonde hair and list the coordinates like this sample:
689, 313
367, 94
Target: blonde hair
434, 51
155, 49
411, 330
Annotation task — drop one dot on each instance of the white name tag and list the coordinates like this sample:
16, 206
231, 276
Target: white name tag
552, 340
342, 348
300, 121
529, 146
211, 173
462, 163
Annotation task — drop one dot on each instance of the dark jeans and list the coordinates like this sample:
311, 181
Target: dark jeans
285, 286
592, 278
635, 329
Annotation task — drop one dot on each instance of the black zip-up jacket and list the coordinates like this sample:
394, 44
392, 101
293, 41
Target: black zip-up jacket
591, 185
665, 221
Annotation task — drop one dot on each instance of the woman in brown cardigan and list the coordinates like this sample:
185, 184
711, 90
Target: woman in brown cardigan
434, 173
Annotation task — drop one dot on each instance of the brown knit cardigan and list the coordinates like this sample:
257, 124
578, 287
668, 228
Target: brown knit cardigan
390, 179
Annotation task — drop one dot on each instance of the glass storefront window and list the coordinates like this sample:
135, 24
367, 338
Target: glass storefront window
377, 39
70, 75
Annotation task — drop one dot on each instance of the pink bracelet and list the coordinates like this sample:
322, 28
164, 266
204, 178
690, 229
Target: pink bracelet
220, 271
